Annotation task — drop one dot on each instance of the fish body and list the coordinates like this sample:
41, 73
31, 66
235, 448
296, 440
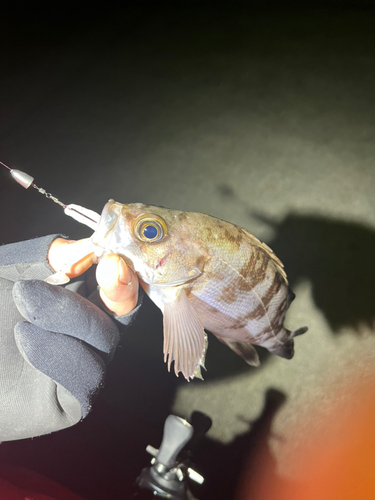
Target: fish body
204, 274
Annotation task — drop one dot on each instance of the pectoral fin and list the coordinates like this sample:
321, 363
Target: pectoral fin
181, 280
184, 337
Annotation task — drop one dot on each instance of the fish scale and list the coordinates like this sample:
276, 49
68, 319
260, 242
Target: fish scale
203, 273
234, 321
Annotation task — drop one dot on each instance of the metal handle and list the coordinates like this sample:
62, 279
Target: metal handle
177, 432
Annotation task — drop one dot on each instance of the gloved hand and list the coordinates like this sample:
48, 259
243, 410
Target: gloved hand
53, 364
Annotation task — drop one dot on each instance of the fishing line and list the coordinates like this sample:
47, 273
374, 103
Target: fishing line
80, 214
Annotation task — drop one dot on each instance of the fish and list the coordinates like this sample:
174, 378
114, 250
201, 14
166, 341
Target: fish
205, 274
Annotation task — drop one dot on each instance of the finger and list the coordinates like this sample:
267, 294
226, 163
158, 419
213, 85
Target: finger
59, 310
64, 359
72, 257
118, 284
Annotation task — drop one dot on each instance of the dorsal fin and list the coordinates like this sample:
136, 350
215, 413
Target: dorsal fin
279, 265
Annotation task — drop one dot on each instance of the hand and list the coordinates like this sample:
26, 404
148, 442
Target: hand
118, 283
53, 364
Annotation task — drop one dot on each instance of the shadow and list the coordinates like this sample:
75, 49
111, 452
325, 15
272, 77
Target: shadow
222, 362
337, 257
230, 469
224, 466
334, 255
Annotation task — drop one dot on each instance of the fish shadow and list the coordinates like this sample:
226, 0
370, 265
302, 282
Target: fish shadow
335, 256
226, 466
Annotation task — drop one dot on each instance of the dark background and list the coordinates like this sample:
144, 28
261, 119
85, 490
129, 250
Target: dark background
260, 113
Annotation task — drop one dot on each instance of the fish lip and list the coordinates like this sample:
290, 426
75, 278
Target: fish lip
103, 228
106, 209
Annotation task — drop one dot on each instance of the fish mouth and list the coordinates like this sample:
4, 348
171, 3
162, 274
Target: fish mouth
109, 214
107, 222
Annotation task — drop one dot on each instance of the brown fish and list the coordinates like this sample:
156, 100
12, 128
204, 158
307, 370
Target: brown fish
203, 273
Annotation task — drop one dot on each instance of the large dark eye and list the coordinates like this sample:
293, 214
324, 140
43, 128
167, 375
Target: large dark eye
150, 227
150, 232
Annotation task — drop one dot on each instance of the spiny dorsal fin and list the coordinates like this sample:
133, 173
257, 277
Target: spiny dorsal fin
270, 253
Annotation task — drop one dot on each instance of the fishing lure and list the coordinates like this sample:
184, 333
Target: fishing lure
77, 212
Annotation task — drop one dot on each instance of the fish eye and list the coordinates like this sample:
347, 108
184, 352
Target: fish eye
150, 228
150, 232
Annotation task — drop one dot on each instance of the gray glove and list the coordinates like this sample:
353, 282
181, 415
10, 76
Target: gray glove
53, 364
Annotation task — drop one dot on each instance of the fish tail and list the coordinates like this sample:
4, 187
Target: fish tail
286, 350
299, 331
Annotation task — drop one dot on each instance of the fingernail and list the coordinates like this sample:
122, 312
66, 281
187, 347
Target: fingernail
125, 276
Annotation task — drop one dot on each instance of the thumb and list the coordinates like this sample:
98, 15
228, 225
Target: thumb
118, 284
72, 257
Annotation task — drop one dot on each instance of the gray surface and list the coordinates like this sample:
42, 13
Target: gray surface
263, 118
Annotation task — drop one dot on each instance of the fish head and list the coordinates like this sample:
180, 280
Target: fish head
158, 243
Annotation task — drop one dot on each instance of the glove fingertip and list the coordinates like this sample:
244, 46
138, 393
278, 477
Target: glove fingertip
67, 361
17, 293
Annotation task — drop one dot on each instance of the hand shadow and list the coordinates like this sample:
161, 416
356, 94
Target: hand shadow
337, 257
334, 255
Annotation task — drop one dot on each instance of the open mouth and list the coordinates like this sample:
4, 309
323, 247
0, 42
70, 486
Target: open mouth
108, 220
